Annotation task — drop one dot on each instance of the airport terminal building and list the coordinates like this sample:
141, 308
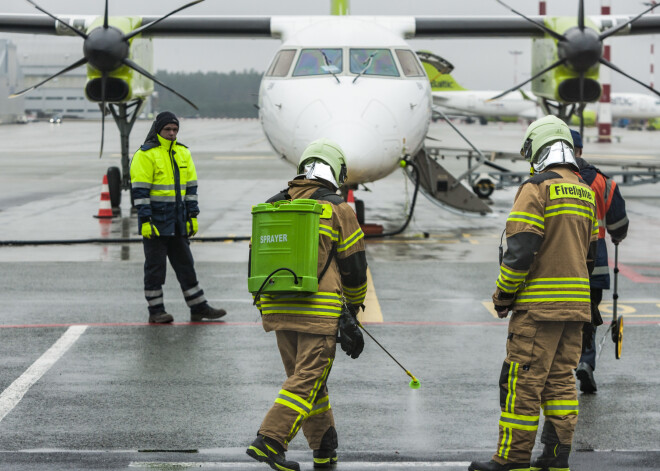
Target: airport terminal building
11, 109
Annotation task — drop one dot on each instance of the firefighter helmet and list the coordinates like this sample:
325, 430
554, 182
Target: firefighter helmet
328, 152
547, 142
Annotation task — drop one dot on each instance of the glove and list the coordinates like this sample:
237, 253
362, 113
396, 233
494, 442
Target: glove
191, 227
502, 311
588, 331
148, 230
350, 336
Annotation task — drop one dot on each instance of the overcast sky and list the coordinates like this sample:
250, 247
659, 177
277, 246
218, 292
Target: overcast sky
480, 64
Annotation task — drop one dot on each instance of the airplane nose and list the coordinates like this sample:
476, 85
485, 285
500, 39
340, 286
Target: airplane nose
368, 156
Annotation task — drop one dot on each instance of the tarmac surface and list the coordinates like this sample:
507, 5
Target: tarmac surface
87, 384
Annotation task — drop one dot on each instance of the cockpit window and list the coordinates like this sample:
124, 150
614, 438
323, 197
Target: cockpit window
373, 62
281, 64
318, 62
409, 64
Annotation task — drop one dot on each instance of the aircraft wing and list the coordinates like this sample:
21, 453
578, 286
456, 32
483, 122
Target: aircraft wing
178, 26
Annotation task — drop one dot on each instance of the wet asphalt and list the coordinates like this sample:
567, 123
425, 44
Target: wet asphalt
123, 394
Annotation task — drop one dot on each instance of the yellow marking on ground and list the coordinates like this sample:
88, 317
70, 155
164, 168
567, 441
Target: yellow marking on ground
470, 239
372, 312
490, 308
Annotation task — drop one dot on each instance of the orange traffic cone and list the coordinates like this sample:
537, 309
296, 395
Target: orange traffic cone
105, 210
351, 200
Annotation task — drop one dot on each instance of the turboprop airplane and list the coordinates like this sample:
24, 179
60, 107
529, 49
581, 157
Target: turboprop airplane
458, 101
354, 79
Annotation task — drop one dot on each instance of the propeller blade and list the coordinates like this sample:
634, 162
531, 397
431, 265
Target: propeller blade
581, 15
541, 26
582, 103
135, 32
105, 17
71, 67
616, 69
104, 79
615, 29
78, 32
513, 89
147, 74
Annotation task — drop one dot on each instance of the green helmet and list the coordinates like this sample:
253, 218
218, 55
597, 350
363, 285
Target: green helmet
540, 137
326, 151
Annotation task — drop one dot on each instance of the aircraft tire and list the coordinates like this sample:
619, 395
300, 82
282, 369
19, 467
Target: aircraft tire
114, 186
483, 188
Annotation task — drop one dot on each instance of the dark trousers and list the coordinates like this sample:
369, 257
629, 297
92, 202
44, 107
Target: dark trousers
156, 253
589, 354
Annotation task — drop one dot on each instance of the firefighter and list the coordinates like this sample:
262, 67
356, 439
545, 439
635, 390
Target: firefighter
306, 325
164, 187
611, 212
544, 279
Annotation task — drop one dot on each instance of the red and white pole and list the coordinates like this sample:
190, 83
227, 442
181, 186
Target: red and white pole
604, 106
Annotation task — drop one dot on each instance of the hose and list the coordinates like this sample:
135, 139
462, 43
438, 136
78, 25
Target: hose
17, 243
410, 214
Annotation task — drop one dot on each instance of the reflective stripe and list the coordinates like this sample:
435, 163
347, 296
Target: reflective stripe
163, 199
191, 291
513, 379
196, 301
507, 432
190, 198
142, 201
520, 422
513, 275
560, 408
152, 293
603, 270
294, 402
146, 185
155, 301
351, 240
509, 280
505, 446
321, 406
329, 232
162, 187
530, 218
618, 224
315, 311
191, 183
355, 295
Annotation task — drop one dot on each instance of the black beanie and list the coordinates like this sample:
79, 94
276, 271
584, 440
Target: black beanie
165, 118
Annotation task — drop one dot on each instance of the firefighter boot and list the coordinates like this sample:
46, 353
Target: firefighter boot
269, 451
160, 318
585, 374
206, 312
555, 455
553, 458
495, 466
326, 455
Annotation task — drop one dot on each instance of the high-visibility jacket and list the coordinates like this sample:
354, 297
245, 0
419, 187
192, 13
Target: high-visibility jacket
164, 185
551, 236
611, 213
342, 239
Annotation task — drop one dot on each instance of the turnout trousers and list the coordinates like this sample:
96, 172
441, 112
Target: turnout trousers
537, 374
156, 253
303, 400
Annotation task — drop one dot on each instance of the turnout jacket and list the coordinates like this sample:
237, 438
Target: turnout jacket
164, 185
341, 238
611, 214
551, 240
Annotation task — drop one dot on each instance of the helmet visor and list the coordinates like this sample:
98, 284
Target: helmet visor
526, 150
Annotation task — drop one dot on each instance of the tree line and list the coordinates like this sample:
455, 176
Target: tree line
217, 95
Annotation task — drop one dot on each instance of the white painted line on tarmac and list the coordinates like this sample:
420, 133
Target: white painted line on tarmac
11, 396
343, 464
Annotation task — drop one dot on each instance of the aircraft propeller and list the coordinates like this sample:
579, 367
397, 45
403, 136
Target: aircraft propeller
106, 48
580, 48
